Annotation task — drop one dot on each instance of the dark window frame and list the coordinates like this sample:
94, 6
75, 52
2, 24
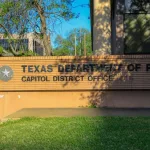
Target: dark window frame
124, 50
113, 28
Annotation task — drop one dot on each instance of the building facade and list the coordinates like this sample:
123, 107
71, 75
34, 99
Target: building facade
121, 27
29, 42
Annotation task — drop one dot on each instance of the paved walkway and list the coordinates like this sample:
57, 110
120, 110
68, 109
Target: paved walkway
71, 112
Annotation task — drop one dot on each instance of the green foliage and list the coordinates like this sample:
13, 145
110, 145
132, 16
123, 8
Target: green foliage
92, 106
13, 16
55, 11
30, 53
21, 17
66, 46
1, 50
61, 52
20, 52
27, 53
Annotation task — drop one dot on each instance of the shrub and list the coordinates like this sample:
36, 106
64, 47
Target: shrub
29, 53
1, 50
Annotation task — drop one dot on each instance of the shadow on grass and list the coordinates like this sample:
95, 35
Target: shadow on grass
77, 133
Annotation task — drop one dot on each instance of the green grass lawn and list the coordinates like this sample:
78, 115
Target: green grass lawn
77, 133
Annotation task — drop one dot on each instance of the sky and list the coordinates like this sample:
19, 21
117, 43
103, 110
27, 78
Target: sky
83, 21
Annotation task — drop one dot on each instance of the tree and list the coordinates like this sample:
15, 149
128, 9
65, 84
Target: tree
62, 47
66, 46
38, 16
12, 21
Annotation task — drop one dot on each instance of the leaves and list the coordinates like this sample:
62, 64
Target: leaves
66, 46
22, 17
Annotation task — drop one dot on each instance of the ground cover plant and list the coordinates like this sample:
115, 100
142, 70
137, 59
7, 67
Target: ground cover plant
77, 133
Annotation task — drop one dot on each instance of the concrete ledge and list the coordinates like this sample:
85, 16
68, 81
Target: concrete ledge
71, 112
69, 101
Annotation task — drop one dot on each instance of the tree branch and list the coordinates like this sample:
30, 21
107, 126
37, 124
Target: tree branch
10, 37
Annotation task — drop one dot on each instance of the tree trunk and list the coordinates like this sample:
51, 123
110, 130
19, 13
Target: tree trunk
9, 39
46, 41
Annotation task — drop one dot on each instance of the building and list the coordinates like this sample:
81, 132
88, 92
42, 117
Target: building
28, 42
121, 27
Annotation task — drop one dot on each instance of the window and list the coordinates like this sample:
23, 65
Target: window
132, 26
20, 44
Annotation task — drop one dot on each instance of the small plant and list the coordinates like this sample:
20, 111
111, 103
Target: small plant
29, 53
1, 50
92, 106
89, 106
